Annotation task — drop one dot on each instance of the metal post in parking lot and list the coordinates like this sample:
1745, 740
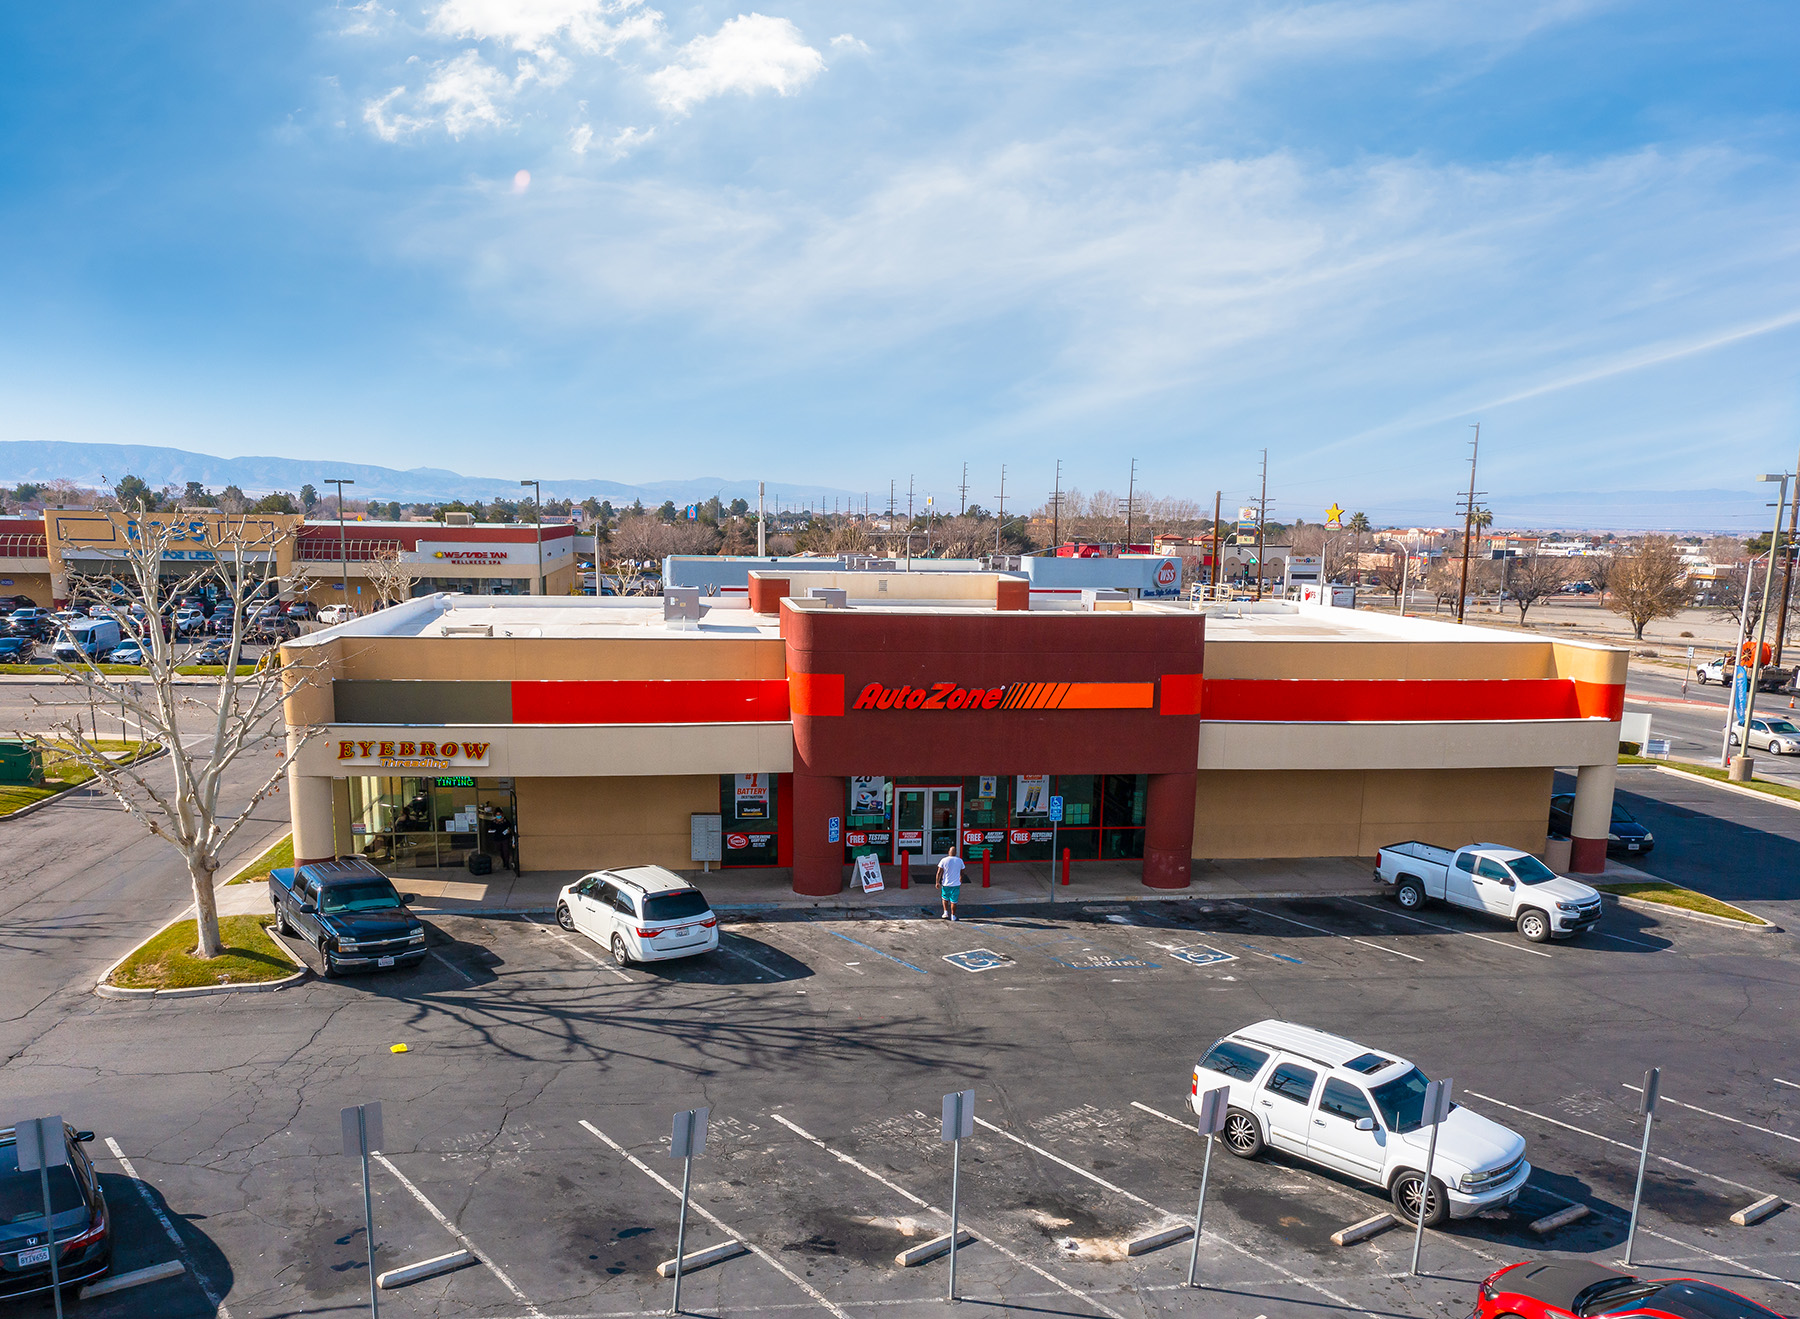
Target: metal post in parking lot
1436, 1109
685, 1141
959, 1125
40, 1145
1214, 1105
362, 1133
1646, 1106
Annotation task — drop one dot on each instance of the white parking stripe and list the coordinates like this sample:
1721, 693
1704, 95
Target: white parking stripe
432, 953
1709, 1113
1624, 1145
555, 932
1795, 1085
143, 1189
1157, 1112
983, 1236
714, 1219
1289, 1274
758, 964
455, 1231
1602, 934
1447, 929
1334, 934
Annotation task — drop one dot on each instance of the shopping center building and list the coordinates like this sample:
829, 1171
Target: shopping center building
830, 715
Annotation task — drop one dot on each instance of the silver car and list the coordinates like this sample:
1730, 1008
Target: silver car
1779, 736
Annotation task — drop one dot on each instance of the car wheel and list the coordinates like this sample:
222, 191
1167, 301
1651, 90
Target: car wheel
1534, 925
1242, 1136
1410, 1188
1410, 895
281, 921
620, 953
1702, 678
564, 917
330, 967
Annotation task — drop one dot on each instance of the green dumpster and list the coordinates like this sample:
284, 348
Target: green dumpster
21, 762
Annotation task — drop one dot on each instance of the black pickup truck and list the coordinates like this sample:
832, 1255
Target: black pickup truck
350, 912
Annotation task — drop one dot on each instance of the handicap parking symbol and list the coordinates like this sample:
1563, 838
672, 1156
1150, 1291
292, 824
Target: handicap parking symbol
978, 959
1201, 955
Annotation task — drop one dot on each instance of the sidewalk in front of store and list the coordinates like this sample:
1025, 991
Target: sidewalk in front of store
448, 893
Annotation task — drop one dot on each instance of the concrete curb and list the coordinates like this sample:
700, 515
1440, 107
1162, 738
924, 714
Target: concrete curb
105, 990
1750, 1215
926, 1251
1150, 1241
1648, 907
701, 1259
1561, 1218
426, 1268
1368, 1227
32, 808
173, 1268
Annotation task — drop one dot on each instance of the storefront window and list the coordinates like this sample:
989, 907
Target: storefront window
747, 819
869, 819
426, 822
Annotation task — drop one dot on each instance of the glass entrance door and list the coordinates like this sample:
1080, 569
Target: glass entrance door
925, 822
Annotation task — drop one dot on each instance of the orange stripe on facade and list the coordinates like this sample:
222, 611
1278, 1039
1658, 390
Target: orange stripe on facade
816, 693
1106, 696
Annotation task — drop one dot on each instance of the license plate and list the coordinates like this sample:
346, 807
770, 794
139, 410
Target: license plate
1631, 847
29, 1257
384, 961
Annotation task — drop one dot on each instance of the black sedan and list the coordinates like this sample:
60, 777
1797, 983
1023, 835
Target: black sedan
79, 1219
1624, 837
17, 650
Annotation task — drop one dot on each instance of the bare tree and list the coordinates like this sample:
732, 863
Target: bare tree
203, 733
1531, 579
1390, 573
392, 577
1596, 571
1648, 583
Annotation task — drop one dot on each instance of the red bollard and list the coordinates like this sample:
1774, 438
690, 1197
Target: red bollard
905, 872
986, 857
1065, 878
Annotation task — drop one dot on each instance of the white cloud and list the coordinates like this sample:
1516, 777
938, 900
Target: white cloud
844, 41
466, 91
580, 138
391, 125
591, 25
749, 54
366, 19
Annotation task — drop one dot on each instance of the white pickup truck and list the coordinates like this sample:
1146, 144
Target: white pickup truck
1501, 881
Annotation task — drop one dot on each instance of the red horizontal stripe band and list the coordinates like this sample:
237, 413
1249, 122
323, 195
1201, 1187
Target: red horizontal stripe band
1309, 700
673, 701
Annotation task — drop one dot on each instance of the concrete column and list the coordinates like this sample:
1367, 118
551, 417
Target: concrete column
1592, 817
1169, 829
309, 801
818, 862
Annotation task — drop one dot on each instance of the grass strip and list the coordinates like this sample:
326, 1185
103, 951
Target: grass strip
282, 854
248, 956
1717, 775
1673, 895
61, 772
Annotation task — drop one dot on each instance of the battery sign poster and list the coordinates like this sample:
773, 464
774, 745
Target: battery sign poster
1033, 795
752, 796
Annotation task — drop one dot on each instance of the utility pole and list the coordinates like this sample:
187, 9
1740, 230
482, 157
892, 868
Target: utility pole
1462, 596
343, 546
1787, 573
537, 516
964, 487
1212, 577
909, 520
1130, 503
1056, 509
762, 542
1002, 519
1262, 519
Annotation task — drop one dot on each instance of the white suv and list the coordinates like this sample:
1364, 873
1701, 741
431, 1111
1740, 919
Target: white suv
640, 913
1357, 1111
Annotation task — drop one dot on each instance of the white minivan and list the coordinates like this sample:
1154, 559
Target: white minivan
639, 914
1358, 1111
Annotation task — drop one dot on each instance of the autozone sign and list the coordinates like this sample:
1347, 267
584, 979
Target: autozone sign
1010, 696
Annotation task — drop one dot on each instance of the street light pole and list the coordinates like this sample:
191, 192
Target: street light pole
343, 546
1741, 765
537, 516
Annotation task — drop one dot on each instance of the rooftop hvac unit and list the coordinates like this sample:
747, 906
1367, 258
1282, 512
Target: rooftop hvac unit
681, 602
832, 597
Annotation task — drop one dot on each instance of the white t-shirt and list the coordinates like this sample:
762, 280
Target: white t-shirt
950, 872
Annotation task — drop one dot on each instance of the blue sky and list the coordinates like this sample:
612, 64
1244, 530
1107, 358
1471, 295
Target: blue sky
845, 243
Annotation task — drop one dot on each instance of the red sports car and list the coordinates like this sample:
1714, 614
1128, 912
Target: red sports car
1560, 1289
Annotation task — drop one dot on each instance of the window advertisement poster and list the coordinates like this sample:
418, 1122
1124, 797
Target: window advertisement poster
752, 796
990, 785
868, 796
1033, 795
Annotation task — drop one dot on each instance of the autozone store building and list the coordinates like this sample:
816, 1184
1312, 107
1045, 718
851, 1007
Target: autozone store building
822, 729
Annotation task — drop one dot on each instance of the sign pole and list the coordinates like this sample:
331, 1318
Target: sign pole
1652, 1088
687, 1172
955, 1189
686, 1139
362, 1138
1213, 1107
1437, 1108
33, 1141
959, 1124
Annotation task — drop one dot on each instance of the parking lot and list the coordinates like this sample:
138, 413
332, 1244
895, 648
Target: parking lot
528, 1119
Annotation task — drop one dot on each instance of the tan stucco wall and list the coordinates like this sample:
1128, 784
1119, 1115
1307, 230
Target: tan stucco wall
1497, 744
584, 824
1318, 660
26, 582
1269, 813
575, 750
564, 659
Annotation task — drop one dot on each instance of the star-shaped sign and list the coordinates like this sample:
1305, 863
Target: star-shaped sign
1334, 516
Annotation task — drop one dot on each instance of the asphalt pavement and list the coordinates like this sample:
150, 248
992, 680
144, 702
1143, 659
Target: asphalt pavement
528, 1117
1694, 720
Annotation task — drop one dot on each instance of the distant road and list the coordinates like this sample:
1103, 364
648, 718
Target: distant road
1694, 722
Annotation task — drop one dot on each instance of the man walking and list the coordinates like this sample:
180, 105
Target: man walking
949, 878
